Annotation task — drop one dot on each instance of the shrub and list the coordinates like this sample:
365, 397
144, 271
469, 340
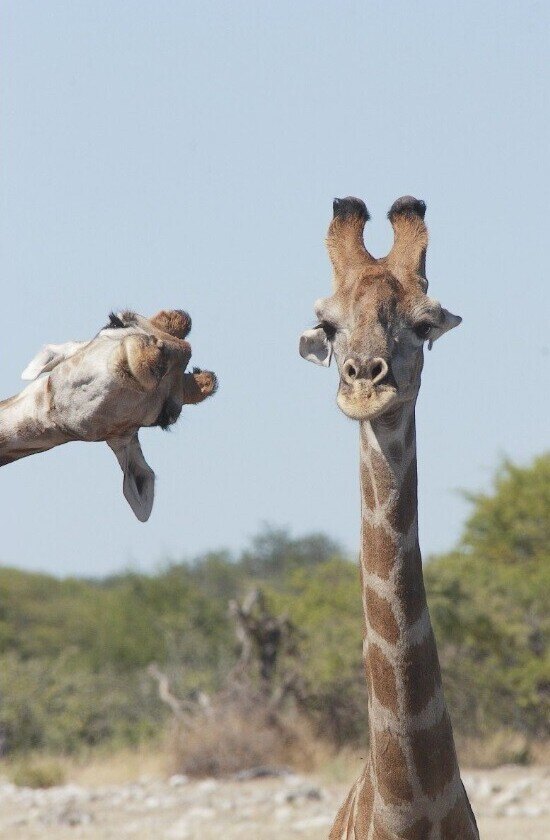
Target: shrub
39, 773
240, 738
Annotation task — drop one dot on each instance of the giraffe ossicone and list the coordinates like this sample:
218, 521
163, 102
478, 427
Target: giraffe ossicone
130, 375
375, 325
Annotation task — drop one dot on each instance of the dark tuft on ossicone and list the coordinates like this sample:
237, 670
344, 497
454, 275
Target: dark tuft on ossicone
407, 206
115, 322
350, 207
128, 317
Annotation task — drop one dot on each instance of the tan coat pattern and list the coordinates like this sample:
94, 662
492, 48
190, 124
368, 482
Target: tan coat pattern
132, 374
374, 325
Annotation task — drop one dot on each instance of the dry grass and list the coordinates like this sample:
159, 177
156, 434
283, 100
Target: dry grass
343, 766
38, 772
540, 753
238, 742
504, 747
90, 769
236, 739
101, 767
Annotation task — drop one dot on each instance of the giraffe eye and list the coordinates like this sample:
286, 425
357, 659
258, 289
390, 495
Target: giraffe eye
422, 330
330, 329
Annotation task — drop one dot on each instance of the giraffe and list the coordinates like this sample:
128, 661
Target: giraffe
375, 324
132, 374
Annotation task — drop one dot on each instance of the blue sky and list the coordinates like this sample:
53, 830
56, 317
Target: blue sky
186, 155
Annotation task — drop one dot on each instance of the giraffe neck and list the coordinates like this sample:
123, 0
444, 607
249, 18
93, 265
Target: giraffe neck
26, 424
412, 777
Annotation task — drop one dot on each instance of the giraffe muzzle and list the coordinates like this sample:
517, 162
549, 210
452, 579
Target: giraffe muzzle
366, 390
374, 371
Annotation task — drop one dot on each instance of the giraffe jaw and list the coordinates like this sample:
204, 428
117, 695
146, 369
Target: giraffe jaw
363, 402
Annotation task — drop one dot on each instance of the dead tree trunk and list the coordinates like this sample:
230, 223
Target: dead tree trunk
264, 639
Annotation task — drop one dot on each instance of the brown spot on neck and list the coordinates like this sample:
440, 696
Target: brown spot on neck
395, 451
410, 434
344, 818
434, 756
365, 802
379, 550
459, 822
418, 830
390, 766
381, 678
381, 831
421, 675
409, 585
381, 617
401, 516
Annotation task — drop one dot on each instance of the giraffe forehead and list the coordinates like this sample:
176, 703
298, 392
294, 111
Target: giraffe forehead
380, 300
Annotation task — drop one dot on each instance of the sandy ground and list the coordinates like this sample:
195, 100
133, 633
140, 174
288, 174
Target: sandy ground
510, 803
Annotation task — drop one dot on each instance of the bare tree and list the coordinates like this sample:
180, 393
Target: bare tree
264, 640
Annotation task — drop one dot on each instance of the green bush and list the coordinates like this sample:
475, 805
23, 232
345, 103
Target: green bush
49, 704
490, 604
39, 774
74, 653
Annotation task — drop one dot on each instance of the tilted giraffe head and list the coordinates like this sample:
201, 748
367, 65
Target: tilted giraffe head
131, 374
379, 316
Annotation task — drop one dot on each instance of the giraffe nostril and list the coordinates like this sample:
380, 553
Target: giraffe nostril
378, 371
372, 371
350, 370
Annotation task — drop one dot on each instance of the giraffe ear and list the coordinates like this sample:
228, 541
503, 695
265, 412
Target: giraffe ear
139, 479
315, 347
449, 322
49, 357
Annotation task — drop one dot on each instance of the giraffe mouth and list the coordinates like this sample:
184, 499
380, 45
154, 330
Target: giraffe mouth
363, 401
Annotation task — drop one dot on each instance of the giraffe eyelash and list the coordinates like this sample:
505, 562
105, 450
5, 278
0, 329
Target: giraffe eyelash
329, 329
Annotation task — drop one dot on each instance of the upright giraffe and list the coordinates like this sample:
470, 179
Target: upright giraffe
375, 324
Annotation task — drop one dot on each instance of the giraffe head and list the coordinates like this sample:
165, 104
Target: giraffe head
379, 316
131, 374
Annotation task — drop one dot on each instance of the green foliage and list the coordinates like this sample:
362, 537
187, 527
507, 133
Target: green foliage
74, 653
512, 525
59, 706
490, 604
324, 603
273, 554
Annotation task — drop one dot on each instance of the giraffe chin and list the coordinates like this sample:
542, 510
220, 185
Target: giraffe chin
359, 404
